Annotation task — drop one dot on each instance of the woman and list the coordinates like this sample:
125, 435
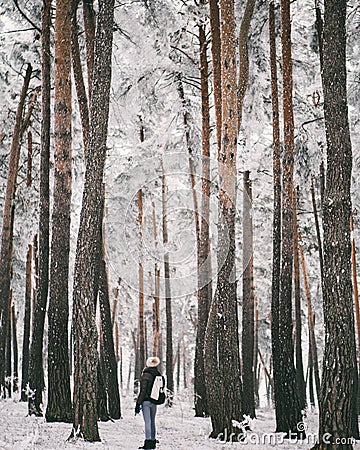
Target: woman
151, 394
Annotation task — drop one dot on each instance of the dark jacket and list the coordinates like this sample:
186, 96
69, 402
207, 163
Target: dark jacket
146, 383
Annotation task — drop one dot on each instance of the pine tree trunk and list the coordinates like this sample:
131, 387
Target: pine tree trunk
6, 233
141, 327
247, 348
317, 228
275, 290
87, 253
338, 409
356, 298
313, 347
300, 381
26, 334
36, 376
169, 343
287, 405
59, 408
78, 74
29, 160
89, 26
8, 377
216, 65
223, 320
15, 351
110, 364
204, 292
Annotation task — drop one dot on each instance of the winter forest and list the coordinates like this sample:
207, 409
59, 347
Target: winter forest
180, 179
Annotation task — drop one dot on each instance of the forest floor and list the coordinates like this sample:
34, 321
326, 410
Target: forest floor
178, 429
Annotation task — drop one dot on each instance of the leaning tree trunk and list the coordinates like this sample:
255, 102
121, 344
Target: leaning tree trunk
287, 405
59, 408
88, 245
338, 415
6, 238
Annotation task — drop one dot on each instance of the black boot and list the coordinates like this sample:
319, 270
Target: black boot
153, 443
147, 444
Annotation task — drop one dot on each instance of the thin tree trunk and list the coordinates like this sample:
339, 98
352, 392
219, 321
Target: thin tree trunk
15, 351
311, 374
301, 386
169, 343
287, 405
317, 227
59, 407
78, 74
29, 160
26, 334
248, 372
256, 348
141, 340
315, 363
204, 291
8, 368
244, 56
355, 283
36, 376
110, 364
6, 233
183, 350
89, 26
87, 254
216, 65
156, 305
276, 258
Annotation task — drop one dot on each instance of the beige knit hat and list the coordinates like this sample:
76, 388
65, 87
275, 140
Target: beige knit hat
153, 361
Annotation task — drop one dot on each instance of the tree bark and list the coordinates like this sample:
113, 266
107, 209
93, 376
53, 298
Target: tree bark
226, 406
26, 334
287, 405
276, 269
216, 65
29, 160
36, 376
15, 350
311, 323
78, 74
87, 254
59, 408
300, 381
248, 317
244, 56
141, 320
169, 343
338, 411
110, 373
6, 233
204, 291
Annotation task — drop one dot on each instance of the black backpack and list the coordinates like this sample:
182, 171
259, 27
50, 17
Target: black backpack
157, 391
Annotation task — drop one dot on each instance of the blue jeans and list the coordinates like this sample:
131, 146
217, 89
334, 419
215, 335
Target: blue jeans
149, 413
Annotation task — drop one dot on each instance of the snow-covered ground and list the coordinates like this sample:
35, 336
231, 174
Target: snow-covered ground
178, 429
